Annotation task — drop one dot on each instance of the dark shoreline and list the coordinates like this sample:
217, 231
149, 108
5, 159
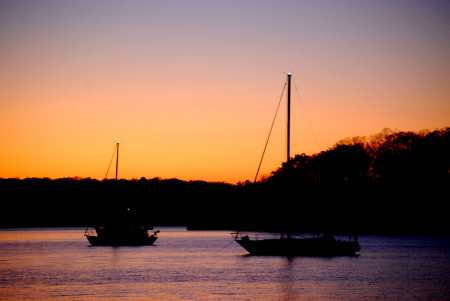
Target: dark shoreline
363, 209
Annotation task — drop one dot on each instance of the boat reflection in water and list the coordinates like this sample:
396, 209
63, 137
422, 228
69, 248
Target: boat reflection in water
290, 245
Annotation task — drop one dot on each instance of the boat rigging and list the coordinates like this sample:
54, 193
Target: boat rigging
124, 228
287, 244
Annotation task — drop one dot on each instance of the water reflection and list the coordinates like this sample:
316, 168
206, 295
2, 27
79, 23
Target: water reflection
60, 264
288, 280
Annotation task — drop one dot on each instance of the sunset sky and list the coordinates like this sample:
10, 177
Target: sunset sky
190, 88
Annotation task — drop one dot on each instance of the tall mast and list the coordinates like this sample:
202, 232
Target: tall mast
289, 118
117, 159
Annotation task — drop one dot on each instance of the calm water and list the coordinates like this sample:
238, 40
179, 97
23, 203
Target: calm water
59, 264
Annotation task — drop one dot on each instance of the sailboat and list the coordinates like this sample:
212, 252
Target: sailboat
289, 244
124, 228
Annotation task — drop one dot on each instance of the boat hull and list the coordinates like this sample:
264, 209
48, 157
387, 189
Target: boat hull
95, 240
299, 247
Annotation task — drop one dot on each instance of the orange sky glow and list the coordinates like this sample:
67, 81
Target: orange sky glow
190, 88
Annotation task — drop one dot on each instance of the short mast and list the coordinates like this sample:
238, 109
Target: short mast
117, 159
288, 118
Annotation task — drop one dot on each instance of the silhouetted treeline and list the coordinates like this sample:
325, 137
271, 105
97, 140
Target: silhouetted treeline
81, 202
390, 183
393, 158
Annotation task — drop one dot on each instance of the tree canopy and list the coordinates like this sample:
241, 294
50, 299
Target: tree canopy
388, 157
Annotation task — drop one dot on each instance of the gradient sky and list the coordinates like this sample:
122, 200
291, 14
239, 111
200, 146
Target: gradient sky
190, 88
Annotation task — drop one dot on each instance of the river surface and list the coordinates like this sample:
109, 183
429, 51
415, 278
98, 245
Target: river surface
59, 264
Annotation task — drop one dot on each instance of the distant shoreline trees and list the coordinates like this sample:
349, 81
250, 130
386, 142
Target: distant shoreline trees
388, 183
389, 156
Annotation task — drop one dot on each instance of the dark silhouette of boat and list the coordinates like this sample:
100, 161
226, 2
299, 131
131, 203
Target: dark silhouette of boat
288, 244
123, 228
121, 235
